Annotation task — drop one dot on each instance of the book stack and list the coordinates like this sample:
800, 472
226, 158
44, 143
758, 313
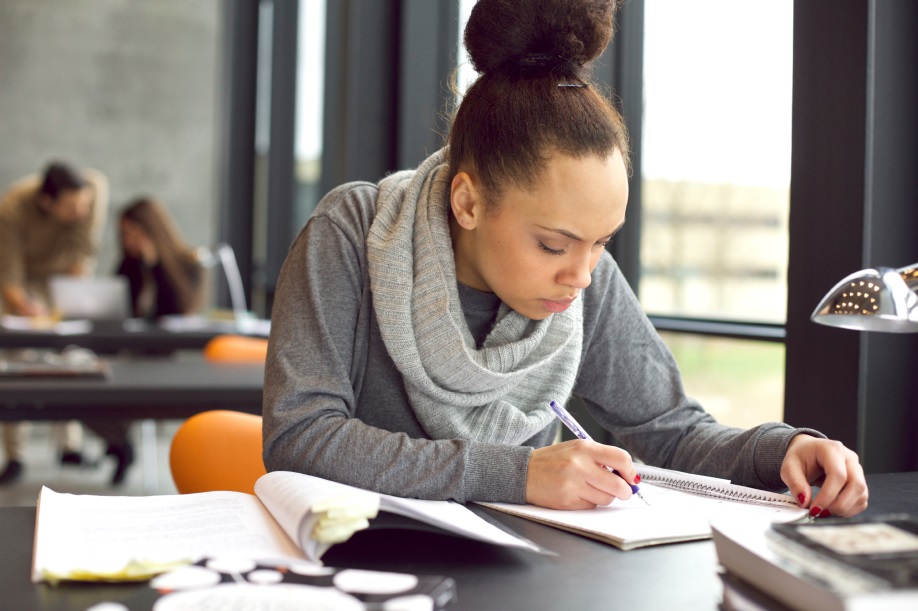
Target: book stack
862, 563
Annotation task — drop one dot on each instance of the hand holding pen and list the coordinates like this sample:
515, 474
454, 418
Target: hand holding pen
575, 428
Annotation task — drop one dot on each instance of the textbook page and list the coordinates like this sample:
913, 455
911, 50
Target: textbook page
116, 538
298, 502
671, 516
289, 496
455, 518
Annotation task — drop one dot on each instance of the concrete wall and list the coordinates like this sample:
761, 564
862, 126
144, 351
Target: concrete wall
131, 88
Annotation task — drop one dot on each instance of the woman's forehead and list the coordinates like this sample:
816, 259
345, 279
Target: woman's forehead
586, 191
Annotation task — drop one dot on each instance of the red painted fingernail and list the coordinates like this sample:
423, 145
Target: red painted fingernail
637, 479
800, 498
815, 511
825, 514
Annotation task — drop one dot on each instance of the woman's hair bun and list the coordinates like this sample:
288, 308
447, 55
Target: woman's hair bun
557, 36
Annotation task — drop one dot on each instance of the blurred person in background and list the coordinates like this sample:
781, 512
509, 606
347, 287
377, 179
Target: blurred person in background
50, 224
165, 279
163, 271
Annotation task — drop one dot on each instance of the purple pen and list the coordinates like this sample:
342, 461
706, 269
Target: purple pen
575, 428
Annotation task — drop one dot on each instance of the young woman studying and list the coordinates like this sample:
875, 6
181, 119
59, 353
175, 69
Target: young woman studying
423, 325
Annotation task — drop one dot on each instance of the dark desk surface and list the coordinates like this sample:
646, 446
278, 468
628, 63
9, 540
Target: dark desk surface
111, 337
584, 575
178, 386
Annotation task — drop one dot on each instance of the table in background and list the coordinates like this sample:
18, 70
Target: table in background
584, 575
156, 387
144, 388
110, 337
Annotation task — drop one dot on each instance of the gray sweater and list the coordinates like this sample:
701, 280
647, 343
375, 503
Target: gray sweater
335, 404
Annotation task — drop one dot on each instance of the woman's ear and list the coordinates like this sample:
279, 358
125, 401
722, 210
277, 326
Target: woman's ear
466, 200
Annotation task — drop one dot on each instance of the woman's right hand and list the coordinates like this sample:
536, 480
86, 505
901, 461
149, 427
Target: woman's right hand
571, 475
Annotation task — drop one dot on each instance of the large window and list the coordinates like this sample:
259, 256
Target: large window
715, 181
716, 158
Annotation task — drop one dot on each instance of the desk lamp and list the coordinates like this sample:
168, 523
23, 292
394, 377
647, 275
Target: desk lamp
223, 255
881, 299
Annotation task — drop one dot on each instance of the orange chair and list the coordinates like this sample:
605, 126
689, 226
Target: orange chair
217, 450
236, 349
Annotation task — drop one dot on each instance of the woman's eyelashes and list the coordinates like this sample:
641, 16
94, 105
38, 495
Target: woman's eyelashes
561, 251
552, 251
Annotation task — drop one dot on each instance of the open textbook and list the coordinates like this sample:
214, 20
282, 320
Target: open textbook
291, 517
681, 508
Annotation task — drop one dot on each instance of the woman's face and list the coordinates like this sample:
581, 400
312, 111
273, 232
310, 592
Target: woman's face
536, 251
133, 238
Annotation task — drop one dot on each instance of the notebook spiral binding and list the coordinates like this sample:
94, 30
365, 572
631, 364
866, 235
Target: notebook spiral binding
736, 493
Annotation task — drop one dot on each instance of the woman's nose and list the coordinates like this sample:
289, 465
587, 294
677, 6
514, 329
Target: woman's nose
579, 273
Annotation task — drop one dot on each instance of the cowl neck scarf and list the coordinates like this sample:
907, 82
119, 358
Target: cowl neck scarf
498, 393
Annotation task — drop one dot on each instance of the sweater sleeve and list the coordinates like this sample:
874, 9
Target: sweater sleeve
313, 376
631, 384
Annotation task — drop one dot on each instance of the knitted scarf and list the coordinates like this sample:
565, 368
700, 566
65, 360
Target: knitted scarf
498, 393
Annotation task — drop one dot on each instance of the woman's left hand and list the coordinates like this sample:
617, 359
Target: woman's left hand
830, 465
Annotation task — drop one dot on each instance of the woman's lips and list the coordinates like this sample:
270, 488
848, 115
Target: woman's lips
557, 306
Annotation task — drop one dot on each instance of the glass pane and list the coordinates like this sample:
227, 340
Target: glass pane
466, 75
739, 382
310, 92
716, 158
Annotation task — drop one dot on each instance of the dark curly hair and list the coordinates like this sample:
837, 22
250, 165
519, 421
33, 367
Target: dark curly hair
534, 95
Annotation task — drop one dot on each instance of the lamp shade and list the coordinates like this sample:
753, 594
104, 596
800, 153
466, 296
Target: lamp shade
881, 299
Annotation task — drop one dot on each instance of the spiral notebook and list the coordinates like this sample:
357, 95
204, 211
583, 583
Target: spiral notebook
681, 508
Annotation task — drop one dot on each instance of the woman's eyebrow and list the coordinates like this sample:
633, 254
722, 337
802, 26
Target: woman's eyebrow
574, 236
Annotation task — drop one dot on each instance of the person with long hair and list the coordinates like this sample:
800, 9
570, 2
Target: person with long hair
164, 274
165, 279
422, 325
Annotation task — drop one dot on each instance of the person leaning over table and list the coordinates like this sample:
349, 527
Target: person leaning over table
165, 279
49, 224
422, 325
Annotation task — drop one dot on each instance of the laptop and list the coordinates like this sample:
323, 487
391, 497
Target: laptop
92, 298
